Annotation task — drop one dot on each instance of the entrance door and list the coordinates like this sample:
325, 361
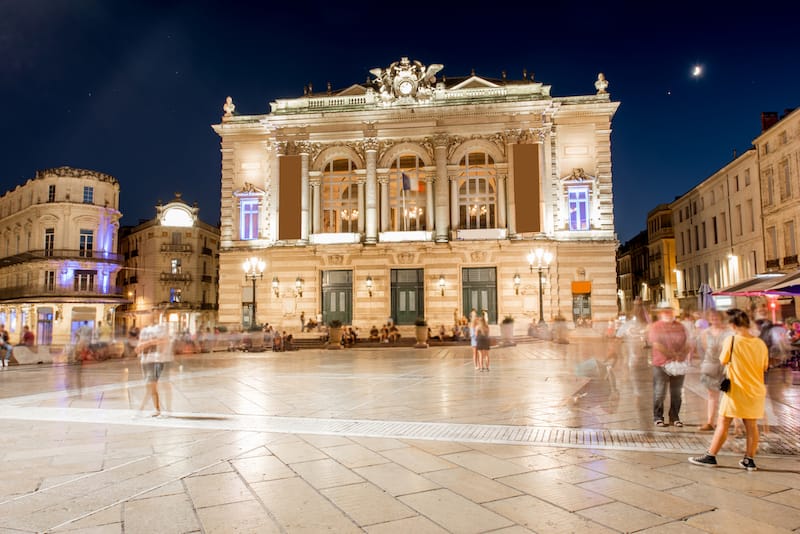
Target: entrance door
337, 296
408, 295
479, 291
581, 308
44, 326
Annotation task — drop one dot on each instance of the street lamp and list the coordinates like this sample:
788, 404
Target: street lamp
539, 260
253, 270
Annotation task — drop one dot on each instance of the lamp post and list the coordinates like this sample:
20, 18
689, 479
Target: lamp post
539, 260
253, 270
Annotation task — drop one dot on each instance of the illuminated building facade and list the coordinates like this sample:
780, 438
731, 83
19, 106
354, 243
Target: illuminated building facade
415, 196
718, 239
58, 249
170, 269
662, 277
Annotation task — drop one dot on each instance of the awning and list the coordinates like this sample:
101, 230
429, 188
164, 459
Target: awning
788, 285
755, 287
581, 287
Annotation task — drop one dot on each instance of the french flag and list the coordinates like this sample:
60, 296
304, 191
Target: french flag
412, 184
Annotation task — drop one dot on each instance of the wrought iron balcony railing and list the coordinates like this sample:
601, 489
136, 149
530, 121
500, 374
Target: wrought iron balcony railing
175, 277
61, 254
39, 290
176, 247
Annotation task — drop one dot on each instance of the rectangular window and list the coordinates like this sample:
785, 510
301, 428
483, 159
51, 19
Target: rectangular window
175, 266
88, 194
86, 243
51, 193
49, 241
705, 239
714, 229
739, 221
751, 216
248, 218
770, 189
736, 181
578, 208
174, 295
49, 280
786, 191
789, 244
84, 280
747, 177
772, 243
696, 237
723, 227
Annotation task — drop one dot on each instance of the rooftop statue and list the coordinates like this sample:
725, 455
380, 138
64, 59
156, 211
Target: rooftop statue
601, 84
405, 79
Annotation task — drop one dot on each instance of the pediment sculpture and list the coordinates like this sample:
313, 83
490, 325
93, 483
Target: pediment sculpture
406, 79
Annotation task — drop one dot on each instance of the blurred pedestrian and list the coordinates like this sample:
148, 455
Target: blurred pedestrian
156, 353
711, 371
482, 343
668, 339
747, 358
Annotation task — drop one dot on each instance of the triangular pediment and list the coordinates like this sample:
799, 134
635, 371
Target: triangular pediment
353, 90
475, 82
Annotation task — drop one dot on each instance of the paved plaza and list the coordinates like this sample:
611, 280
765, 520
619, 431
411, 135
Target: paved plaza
388, 440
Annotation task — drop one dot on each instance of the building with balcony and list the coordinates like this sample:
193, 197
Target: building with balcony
632, 272
58, 260
415, 196
171, 269
662, 277
718, 232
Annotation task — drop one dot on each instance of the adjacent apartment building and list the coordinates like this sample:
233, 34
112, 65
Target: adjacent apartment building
417, 195
171, 270
58, 251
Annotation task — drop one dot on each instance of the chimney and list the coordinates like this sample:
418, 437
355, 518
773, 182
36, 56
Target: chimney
768, 120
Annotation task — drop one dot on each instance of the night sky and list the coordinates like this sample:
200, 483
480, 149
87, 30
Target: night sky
131, 88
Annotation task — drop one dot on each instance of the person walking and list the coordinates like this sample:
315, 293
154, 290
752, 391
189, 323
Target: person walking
473, 341
747, 358
4, 344
482, 343
711, 371
156, 353
669, 343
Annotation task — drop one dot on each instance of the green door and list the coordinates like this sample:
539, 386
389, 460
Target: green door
408, 295
479, 291
337, 296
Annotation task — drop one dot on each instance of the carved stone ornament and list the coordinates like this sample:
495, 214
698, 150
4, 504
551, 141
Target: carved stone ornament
601, 84
228, 107
307, 147
405, 79
577, 176
478, 256
335, 259
70, 172
405, 258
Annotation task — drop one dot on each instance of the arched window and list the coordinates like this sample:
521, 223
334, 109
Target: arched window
339, 197
477, 192
407, 194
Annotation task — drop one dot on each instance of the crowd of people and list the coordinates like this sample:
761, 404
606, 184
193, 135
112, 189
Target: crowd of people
725, 346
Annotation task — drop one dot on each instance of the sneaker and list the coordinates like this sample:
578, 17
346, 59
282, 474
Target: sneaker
706, 460
679, 424
748, 463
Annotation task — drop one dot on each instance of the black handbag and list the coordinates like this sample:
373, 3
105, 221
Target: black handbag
725, 385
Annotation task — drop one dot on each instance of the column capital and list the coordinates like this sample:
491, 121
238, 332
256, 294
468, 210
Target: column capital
370, 144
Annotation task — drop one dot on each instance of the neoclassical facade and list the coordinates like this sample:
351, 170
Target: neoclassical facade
170, 272
413, 195
58, 249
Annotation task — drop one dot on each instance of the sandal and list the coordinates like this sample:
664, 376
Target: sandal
660, 423
706, 428
679, 424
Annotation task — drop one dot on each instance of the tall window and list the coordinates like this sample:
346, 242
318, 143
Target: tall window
175, 266
739, 221
248, 218
340, 197
174, 295
88, 194
750, 215
772, 243
578, 205
477, 191
789, 243
770, 189
84, 280
49, 280
49, 241
86, 243
786, 190
51, 193
407, 194
747, 177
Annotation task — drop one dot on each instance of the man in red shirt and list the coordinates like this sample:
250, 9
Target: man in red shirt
27, 337
668, 340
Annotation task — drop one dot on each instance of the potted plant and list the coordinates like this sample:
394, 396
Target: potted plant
335, 334
507, 331
421, 333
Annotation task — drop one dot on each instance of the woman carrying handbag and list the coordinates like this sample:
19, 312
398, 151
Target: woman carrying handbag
747, 358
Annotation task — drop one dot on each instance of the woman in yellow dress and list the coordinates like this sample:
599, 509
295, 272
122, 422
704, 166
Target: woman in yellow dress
747, 357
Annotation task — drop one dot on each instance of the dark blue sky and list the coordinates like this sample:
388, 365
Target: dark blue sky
131, 88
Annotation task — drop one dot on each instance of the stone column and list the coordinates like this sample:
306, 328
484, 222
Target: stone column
316, 196
441, 194
430, 183
371, 149
454, 203
384, 181
511, 217
361, 210
501, 201
304, 200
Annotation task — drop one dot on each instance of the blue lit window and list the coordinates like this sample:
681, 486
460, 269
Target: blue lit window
174, 295
578, 208
248, 218
88, 194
